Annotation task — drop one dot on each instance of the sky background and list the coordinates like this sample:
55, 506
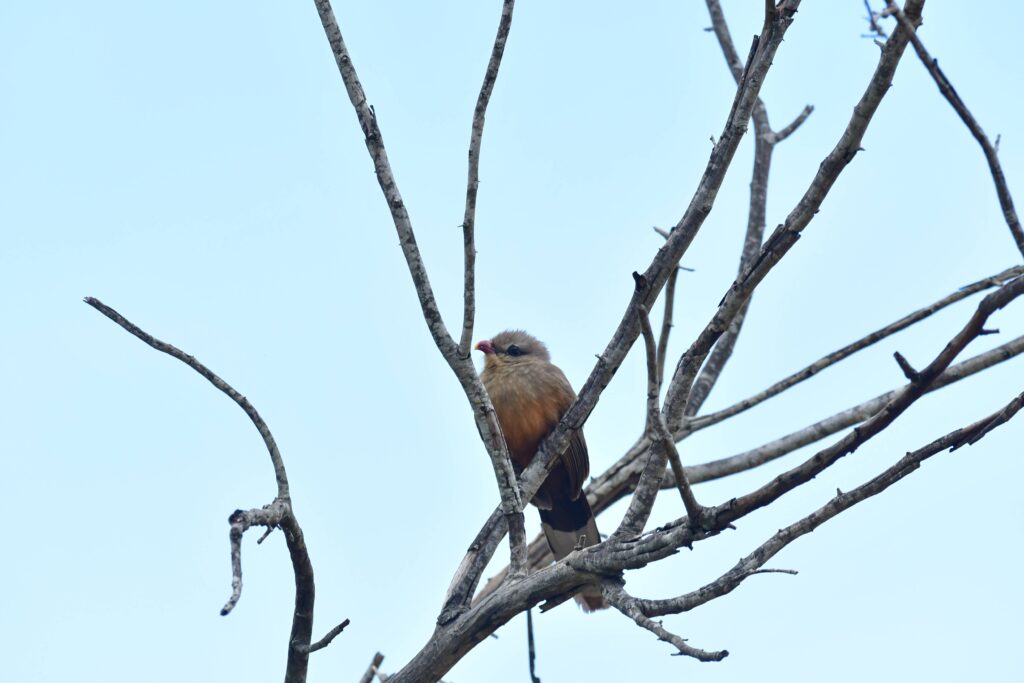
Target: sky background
198, 167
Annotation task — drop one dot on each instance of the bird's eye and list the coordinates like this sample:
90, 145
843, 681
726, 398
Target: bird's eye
514, 350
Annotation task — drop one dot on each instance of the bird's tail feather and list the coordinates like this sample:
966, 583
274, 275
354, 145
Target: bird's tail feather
569, 525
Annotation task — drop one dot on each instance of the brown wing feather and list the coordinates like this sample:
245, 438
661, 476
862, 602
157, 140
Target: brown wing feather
575, 458
577, 464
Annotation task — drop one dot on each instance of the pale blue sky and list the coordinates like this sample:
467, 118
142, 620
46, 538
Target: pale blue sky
198, 167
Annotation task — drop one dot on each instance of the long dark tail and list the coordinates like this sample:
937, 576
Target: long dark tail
567, 525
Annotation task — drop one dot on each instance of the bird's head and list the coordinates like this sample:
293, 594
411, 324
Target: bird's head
512, 348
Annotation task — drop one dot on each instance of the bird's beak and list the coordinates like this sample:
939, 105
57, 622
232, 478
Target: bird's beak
486, 346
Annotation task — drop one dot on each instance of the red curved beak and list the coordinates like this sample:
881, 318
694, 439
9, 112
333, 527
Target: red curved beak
486, 346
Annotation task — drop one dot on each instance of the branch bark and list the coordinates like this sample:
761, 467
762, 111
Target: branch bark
786, 234
765, 140
473, 183
460, 363
753, 562
850, 349
278, 513
951, 95
648, 286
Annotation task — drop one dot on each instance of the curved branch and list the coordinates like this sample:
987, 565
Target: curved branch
277, 514
242, 401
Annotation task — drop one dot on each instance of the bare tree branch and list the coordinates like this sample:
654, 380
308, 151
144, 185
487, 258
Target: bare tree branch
627, 553
242, 401
269, 516
793, 125
463, 622
648, 286
847, 418
949, 92
848, 350
328, 637
372, 670
618, 598
666, 324
473, 183
617, 554
531, 650
873, 17
277, 514
620, 479
764, 145
786, 234
737, 507
658, 432
842, 501
461, 364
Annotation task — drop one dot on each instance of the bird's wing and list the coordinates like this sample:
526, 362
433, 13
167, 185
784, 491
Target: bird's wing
577, 464
575, 458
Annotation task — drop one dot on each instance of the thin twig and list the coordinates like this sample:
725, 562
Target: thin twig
329, 636
658, 430
372, 670
532, 653
242, 401
473, 182
781, 135
723, 585
908, 370
949, 92
618, 598
873, 18
666, 323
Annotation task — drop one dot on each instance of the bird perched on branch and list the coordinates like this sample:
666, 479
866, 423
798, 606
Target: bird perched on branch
530, 395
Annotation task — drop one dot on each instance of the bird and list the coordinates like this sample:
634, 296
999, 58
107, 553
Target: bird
530, 394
